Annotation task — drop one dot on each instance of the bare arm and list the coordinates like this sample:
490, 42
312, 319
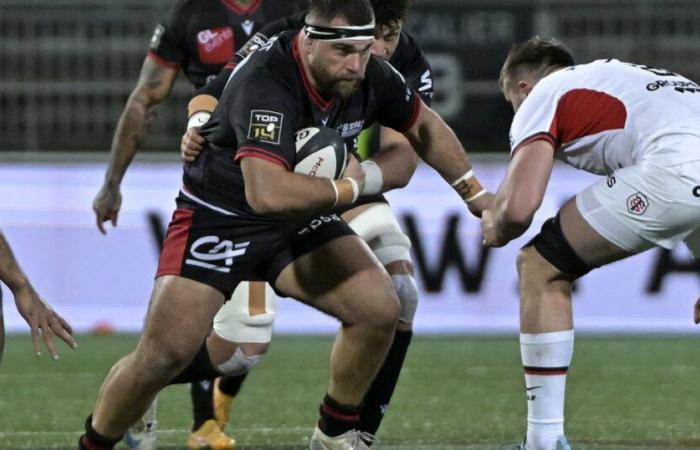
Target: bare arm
271, 190
42, 320
153, 86
436, 144
520, 195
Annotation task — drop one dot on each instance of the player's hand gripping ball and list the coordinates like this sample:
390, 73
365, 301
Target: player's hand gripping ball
321, 152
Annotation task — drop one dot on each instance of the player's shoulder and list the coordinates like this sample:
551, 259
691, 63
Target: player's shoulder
270, 68
378, 70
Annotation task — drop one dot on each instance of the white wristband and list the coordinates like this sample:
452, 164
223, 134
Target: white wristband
355, 189
198, 119
475, 196
466, 176
335, 191
374, 178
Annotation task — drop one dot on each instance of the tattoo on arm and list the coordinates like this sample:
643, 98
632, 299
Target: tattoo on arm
154, 85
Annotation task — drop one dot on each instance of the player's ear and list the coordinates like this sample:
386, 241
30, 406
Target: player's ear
524, 87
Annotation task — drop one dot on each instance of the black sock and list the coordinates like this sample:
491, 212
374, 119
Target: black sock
382, 388
200, 368
92, 440
202, 393
230, 385
336, 419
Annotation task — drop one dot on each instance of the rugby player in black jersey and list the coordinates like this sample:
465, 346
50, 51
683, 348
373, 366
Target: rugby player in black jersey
198, 37
241, 202
389, 162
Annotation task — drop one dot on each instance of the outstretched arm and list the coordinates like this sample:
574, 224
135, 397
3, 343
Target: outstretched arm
436, 144
152, 88
520, 194
43, 321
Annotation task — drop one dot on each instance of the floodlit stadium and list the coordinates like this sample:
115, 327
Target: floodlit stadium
70, 67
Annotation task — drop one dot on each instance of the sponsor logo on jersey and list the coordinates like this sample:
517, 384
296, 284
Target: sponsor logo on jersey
155, 39
678, 86
350, 129
265, 126
637, 203
215, 45
210, 252
696, 191
318, 222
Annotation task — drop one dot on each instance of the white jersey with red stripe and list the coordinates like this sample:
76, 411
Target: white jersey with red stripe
609, 114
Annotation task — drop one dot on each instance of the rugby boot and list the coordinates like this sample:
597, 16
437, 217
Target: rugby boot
210, 437
222, 405
350, 440
142, 434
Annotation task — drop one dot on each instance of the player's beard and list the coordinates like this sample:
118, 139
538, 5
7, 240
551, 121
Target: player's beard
332, 86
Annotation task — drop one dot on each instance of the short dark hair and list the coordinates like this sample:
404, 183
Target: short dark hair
536, 55
388, 11
356, 12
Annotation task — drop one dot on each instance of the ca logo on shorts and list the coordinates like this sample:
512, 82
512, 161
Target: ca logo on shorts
637, 203
212, 253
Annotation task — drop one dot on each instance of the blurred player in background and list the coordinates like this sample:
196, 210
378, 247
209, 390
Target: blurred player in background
389, 162
198, 37
242, 194
43, 321
637, 125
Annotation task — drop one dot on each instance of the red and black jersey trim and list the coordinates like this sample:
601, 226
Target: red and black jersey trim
162, 62
257, 152
541, 136
240, 10
417, 106
315, 96
545, 370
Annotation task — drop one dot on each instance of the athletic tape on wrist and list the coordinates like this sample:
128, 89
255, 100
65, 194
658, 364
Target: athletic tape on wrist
202, 102
198, 119
348, 191
335, 191
468, 187
374, 178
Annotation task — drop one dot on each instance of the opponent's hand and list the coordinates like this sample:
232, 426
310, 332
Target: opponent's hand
479, 205
696, 311
43, 321
355, 171
191, 144
106, 206
488, 229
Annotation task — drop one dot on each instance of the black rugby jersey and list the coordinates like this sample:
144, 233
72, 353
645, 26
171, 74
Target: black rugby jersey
268, 99
201, 36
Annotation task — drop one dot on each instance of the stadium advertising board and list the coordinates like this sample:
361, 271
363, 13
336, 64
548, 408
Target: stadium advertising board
96, 280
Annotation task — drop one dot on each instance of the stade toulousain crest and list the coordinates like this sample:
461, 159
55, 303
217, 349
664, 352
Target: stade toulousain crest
321, 152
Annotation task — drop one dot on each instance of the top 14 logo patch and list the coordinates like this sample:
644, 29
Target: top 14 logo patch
265, 126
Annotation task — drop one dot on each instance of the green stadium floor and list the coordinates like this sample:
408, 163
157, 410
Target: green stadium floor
463, 392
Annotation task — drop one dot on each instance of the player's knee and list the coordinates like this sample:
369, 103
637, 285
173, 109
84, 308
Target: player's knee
244, 327
407, 293
384, 309
242, 361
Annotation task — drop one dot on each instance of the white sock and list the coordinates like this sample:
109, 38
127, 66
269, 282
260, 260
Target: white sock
546, 358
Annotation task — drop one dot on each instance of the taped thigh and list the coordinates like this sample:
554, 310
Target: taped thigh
378, 227
248, 315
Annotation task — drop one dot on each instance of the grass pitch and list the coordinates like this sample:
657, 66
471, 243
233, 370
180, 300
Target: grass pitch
462, 392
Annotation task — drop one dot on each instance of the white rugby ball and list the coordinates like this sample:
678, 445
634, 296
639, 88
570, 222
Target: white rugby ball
321, 152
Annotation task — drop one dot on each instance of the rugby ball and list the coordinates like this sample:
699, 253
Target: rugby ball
321, 152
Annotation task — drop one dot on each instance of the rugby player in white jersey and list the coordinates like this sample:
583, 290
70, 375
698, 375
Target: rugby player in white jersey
640, 127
